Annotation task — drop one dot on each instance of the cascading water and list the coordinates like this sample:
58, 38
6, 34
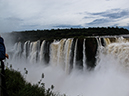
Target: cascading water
109, 75
41, 54
84, 56
74, 59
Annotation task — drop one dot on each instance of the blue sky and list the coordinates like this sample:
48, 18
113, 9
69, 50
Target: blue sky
17, 15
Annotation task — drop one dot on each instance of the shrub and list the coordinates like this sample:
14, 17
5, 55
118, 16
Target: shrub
17, 86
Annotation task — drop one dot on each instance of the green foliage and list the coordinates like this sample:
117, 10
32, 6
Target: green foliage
17, 86
34, 35
11, 82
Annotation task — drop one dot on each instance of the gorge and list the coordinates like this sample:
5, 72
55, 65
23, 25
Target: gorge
77, 65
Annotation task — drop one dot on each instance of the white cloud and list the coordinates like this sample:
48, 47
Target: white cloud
48, 13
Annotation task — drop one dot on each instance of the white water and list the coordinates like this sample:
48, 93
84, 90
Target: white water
84, 56
109, 78
74, 59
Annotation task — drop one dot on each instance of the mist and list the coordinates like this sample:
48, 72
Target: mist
108, 78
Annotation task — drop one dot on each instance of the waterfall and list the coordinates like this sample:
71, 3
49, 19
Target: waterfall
107, 40
18, 50
54, 49
41, 54
101, 64
120, 50
67, 52
34, 50
84, 56
60, 51
56, 54
26, 50
74, 59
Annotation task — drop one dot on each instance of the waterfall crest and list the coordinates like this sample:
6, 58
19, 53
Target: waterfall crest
66, 53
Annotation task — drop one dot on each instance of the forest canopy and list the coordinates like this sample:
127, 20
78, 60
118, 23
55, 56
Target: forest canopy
67, 33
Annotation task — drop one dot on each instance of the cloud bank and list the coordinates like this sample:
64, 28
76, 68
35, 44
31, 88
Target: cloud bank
16, 15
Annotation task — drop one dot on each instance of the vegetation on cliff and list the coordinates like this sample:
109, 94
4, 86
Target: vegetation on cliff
66, 33
17, 86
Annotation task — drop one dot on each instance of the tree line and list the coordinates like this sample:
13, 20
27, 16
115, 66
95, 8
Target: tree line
67, 33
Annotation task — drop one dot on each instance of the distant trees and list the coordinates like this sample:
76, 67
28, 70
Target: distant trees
67, 33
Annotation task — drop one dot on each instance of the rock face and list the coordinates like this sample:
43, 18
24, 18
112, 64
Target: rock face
90, 52
91, 49
87, 47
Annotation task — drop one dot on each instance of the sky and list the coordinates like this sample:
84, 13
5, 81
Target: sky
20, 15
